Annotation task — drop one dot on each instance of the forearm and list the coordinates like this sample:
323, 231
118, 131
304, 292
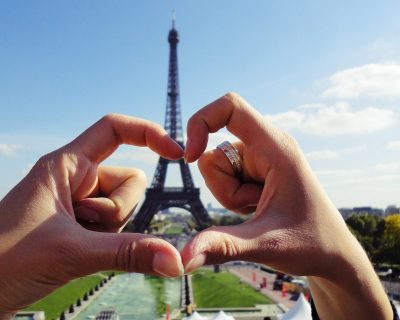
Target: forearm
353, 292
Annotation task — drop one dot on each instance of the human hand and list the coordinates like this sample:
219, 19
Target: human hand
295, 228
42, 245
293, 217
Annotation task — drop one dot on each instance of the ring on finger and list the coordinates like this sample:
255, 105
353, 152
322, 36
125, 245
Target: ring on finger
233, 156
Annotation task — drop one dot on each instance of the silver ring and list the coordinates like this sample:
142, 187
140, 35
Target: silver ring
233, 156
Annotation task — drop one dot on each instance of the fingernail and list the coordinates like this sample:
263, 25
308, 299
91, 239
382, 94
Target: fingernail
185, 157
195, 263
167, 265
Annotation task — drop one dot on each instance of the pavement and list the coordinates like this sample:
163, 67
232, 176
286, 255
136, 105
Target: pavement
245, 273
393, 289
84, 304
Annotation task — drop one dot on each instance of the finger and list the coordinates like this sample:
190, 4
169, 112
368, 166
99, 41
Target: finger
95, 226
231, 111
134, 253
121, 190
227, 188
246, 210
218, 245
106, 218
84, 252
101, 139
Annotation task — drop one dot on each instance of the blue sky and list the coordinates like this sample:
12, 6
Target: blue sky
327, 71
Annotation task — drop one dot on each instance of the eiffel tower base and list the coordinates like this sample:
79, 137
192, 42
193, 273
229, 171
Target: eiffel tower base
160, 199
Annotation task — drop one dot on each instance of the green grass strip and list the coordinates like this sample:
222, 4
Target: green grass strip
62, 298
174, 229
223, 289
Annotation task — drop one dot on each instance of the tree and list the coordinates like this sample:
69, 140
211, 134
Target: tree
391, 240
368, 229
227, 220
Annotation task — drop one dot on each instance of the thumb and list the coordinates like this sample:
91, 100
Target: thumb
222, 244
133, 252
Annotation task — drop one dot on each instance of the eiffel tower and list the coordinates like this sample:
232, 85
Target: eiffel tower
159, 197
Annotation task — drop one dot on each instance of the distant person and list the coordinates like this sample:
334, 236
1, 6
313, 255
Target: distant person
295, 228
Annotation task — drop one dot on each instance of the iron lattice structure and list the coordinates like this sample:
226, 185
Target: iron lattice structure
159, 197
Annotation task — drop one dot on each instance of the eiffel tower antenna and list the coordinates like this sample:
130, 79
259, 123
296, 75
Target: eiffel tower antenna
159, 197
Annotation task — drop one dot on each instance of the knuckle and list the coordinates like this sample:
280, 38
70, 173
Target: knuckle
290, 140
205, 161
126, 259
50, 165
225, 246
192, 120
136, 255
58, 159
118, 217
290, 146
110, 118
140, 175
157, 127
44, 162
232, 96
228, 202
230, 248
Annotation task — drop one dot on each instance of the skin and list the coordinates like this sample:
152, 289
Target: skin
57, 223
295, 228
49, 220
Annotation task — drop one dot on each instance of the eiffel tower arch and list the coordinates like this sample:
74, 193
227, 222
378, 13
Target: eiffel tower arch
159, 197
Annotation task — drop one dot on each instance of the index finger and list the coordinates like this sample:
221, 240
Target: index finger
104, 137
230, 111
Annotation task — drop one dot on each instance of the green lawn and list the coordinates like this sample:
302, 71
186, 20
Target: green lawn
62, 298
212, 290
174, 229
158, 287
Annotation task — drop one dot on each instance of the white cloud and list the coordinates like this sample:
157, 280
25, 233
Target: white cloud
216, 138
287, 120
389, 167
322, 154
339, 172
326, 154
393, 145
311, 106
9, 150
365, 180
371, 80
352, 149
380, 171
334, 119
144, 155
363, 185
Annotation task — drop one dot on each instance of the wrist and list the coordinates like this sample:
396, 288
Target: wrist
350, 286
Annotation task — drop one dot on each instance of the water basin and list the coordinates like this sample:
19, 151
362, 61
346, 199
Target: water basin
135, 296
